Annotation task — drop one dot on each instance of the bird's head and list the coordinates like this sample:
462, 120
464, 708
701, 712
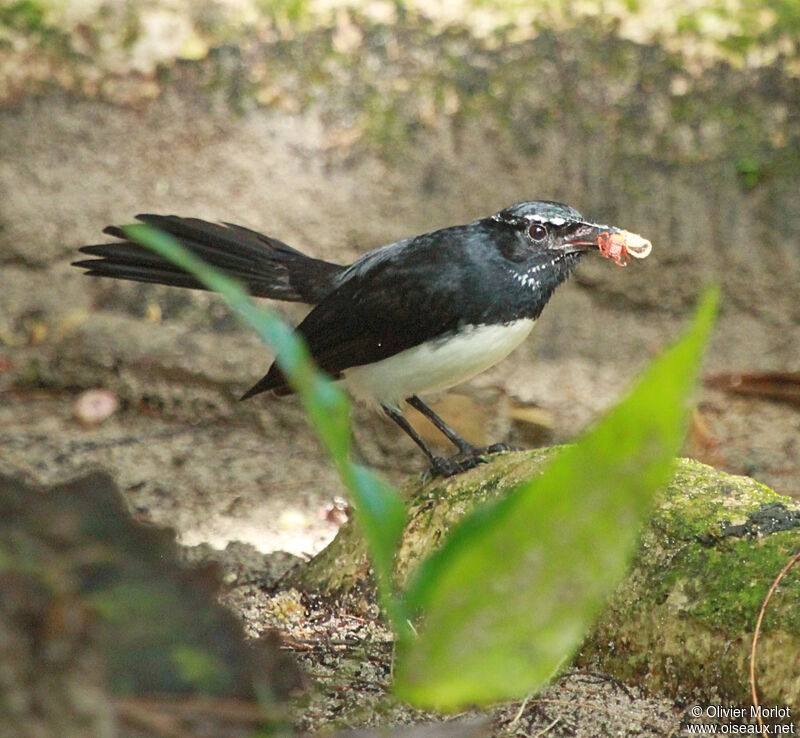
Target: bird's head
541, 233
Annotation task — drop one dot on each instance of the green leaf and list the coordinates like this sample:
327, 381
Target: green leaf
511, 593
379, 508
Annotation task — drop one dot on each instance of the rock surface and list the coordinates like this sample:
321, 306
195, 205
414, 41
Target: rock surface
681, 624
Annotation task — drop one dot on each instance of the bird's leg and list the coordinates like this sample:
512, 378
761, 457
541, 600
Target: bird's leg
440, 467
399, 418
463, 446
467, 457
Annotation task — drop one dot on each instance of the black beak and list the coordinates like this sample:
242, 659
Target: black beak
613, 243
584, 237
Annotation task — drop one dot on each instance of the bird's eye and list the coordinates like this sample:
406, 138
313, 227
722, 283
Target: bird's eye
537, 232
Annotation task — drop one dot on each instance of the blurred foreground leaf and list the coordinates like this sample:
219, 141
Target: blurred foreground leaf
96, 606
379, 508
511, 593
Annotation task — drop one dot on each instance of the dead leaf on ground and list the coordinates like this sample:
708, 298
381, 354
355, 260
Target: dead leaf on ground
780, 386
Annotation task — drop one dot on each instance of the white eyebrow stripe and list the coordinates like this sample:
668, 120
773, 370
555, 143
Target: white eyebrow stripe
556, 220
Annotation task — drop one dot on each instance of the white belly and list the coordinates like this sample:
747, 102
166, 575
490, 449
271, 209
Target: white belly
435, 365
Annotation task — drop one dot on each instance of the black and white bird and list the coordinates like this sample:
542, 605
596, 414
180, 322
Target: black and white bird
416, 316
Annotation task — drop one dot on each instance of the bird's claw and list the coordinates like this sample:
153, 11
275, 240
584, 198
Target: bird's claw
441, 467
464, 460
497, 448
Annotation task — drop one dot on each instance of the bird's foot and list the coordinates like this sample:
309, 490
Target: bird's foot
465, 459
448, 467
497, 448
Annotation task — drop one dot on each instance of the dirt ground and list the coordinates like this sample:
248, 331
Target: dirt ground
186, 451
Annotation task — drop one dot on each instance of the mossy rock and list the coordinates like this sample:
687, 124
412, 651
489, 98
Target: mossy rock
682, 622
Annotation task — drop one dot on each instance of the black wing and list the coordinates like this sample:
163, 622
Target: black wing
400, 298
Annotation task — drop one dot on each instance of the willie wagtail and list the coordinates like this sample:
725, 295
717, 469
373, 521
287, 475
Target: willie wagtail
415, 316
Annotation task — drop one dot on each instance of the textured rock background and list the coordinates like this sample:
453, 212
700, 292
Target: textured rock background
338, 132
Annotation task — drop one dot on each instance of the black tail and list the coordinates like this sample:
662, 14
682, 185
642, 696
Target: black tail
267, 267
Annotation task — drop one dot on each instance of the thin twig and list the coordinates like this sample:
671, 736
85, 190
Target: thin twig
547, 729
221, 708
573, 703
154, 722
600, 677
513, 724
774, 586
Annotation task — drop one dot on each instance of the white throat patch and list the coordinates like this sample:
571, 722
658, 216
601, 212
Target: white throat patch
529, 278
